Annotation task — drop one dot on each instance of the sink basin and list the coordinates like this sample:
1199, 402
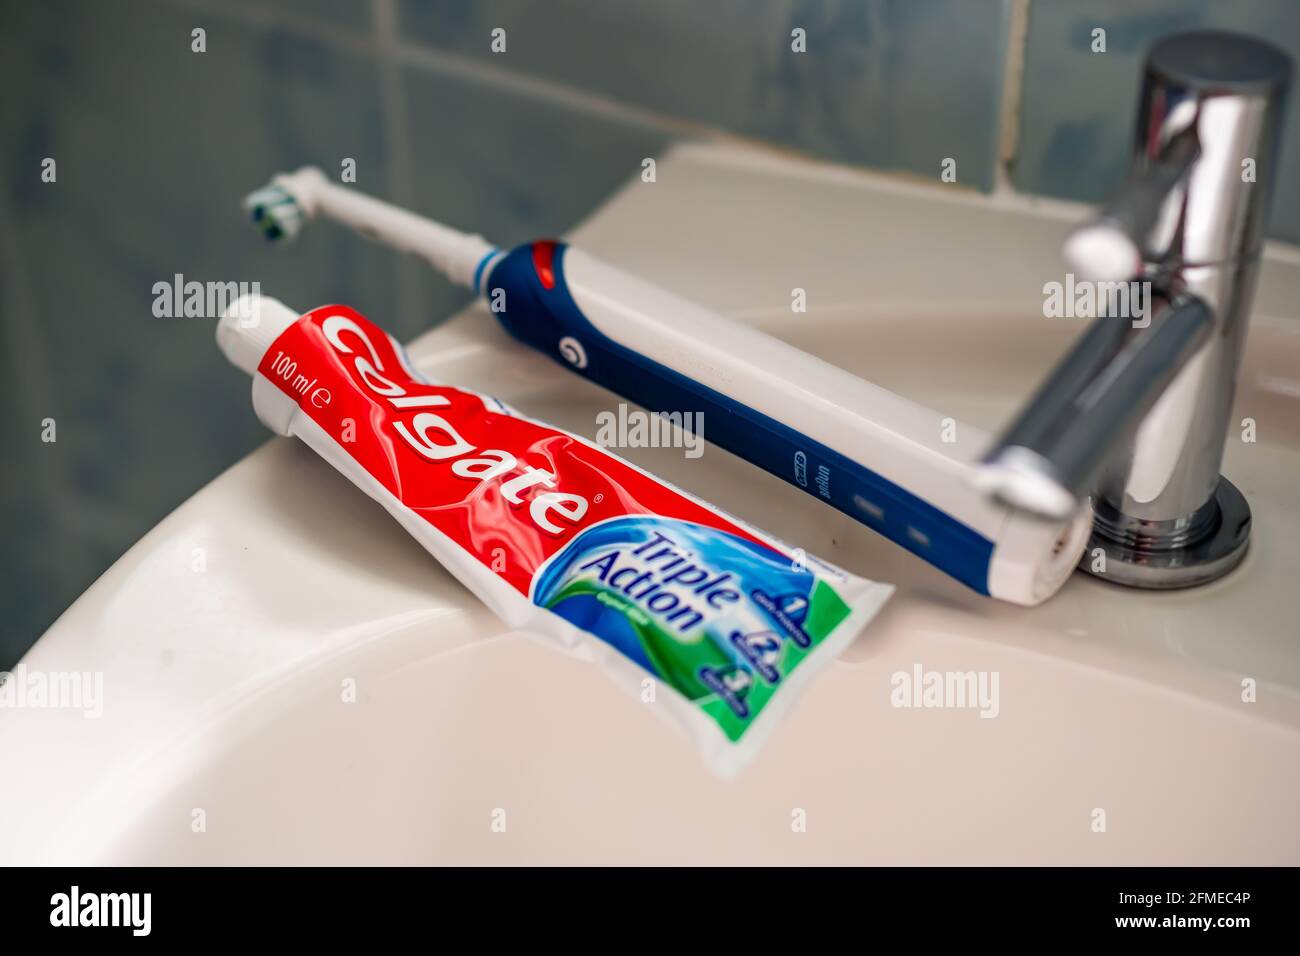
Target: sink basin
322, 691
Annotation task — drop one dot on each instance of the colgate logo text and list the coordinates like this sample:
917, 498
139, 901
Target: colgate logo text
436, 439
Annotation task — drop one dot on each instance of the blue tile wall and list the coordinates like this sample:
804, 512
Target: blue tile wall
1078, 106
513, 168
896, 84
155, 146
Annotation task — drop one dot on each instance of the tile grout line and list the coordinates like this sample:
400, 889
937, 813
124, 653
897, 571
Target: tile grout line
444, 63
548, 91
1013, 77
397, 143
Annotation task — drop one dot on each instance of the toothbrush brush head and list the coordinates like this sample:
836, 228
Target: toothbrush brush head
275, 213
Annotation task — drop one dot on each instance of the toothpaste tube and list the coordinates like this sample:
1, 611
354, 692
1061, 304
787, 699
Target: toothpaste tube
711, 620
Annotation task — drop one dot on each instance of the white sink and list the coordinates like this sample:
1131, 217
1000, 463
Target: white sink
223, 689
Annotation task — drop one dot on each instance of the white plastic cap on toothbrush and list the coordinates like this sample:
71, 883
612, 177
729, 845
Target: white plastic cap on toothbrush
282, 209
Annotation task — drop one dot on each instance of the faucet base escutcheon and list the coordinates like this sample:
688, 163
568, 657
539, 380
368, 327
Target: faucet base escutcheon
1167, 555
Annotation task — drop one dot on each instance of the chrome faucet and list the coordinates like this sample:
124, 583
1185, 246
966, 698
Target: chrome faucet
1136, 415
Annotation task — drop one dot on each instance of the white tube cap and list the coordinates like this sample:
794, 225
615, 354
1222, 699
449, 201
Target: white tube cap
248, 327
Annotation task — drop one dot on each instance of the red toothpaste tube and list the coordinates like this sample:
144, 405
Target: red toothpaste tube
556, 535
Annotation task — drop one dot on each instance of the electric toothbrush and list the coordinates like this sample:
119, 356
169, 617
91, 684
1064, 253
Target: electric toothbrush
872, 454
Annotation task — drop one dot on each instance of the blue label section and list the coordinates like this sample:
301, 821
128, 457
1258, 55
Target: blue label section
677, 597
541, 317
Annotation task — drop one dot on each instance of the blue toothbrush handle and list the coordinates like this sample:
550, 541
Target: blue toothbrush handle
528, 291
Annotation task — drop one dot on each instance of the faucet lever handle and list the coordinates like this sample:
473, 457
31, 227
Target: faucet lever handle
1110, 247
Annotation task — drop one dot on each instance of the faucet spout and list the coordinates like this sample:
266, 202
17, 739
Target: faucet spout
1054, 451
